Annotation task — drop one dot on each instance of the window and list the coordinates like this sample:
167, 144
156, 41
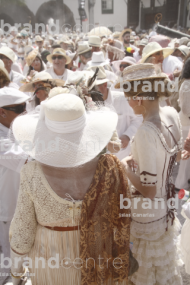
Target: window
107, 6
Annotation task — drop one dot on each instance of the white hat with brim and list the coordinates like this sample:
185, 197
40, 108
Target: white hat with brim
83, 47
3, 69
98, 59
142, 71
155, 47
128, 59
6, 51
59, 51
81, 77
11, 96
38, 77
94, 41
65, 134
101, 76
183, 49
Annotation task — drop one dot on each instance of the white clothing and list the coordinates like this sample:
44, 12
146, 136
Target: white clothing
156, 249
128, 122
185, 234
16, 77
12, 158
16, 67
137, 56
64, 77
171, 63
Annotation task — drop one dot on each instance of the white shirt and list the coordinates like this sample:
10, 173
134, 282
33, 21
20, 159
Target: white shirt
12, 158
171, 63
137, 56
16, 77
64, 77
16, 67
128, 122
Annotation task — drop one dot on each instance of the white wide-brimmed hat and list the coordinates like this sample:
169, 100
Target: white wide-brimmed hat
154, 47
83, 47
38, 39
65, 135
94, 41
98, 59
128, 59
184, 50
6, 51
101, 76
64, 39
140, 71
79, 78
59, 51
12, 96
3, 69
38, 77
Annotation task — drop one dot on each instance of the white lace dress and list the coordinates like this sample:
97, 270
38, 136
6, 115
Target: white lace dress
39, 206
155, 248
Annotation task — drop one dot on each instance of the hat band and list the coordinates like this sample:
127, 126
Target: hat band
66, 127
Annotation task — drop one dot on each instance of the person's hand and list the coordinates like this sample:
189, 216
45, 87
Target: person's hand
187, 144
185, 155
124, 141
128, 163
176, 73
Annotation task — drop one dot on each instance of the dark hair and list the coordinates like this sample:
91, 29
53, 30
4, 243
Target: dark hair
128, 53
42, 66
125, 33
44, 55
185, 74
87, 54
56, 46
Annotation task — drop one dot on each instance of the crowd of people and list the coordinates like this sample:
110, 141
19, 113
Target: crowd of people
91, 128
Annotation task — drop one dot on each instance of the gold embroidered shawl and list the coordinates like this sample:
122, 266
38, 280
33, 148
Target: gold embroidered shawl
104, 239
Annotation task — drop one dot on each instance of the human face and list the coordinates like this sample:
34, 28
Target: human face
40, 44
110, 55
123, 65
126, 38
41, 94
36, 64
58, 62
64, 46
7, 62
158, 57
95, 49
7, 116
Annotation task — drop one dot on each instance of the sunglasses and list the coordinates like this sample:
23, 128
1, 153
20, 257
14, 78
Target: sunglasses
124, 65
17, 109
58, 57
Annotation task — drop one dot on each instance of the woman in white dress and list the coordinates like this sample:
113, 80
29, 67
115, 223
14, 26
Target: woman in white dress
184, 103
155, 148
68, 210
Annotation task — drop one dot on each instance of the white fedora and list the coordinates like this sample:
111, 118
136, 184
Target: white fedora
154, 47
98, 59
6, 51
94, 41
11, 96
38, 77
81, 78
65, 134
38, 39
101, 76
83, 47
183, 49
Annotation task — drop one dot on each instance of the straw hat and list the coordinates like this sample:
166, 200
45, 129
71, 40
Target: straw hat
38, 39
38, 77
59, 51
124, 32
6, 51
65, 134
98, 59
3, 69
31, 56
83, 47
94, 41
138, 72
154, 47
65, 40
128, 59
